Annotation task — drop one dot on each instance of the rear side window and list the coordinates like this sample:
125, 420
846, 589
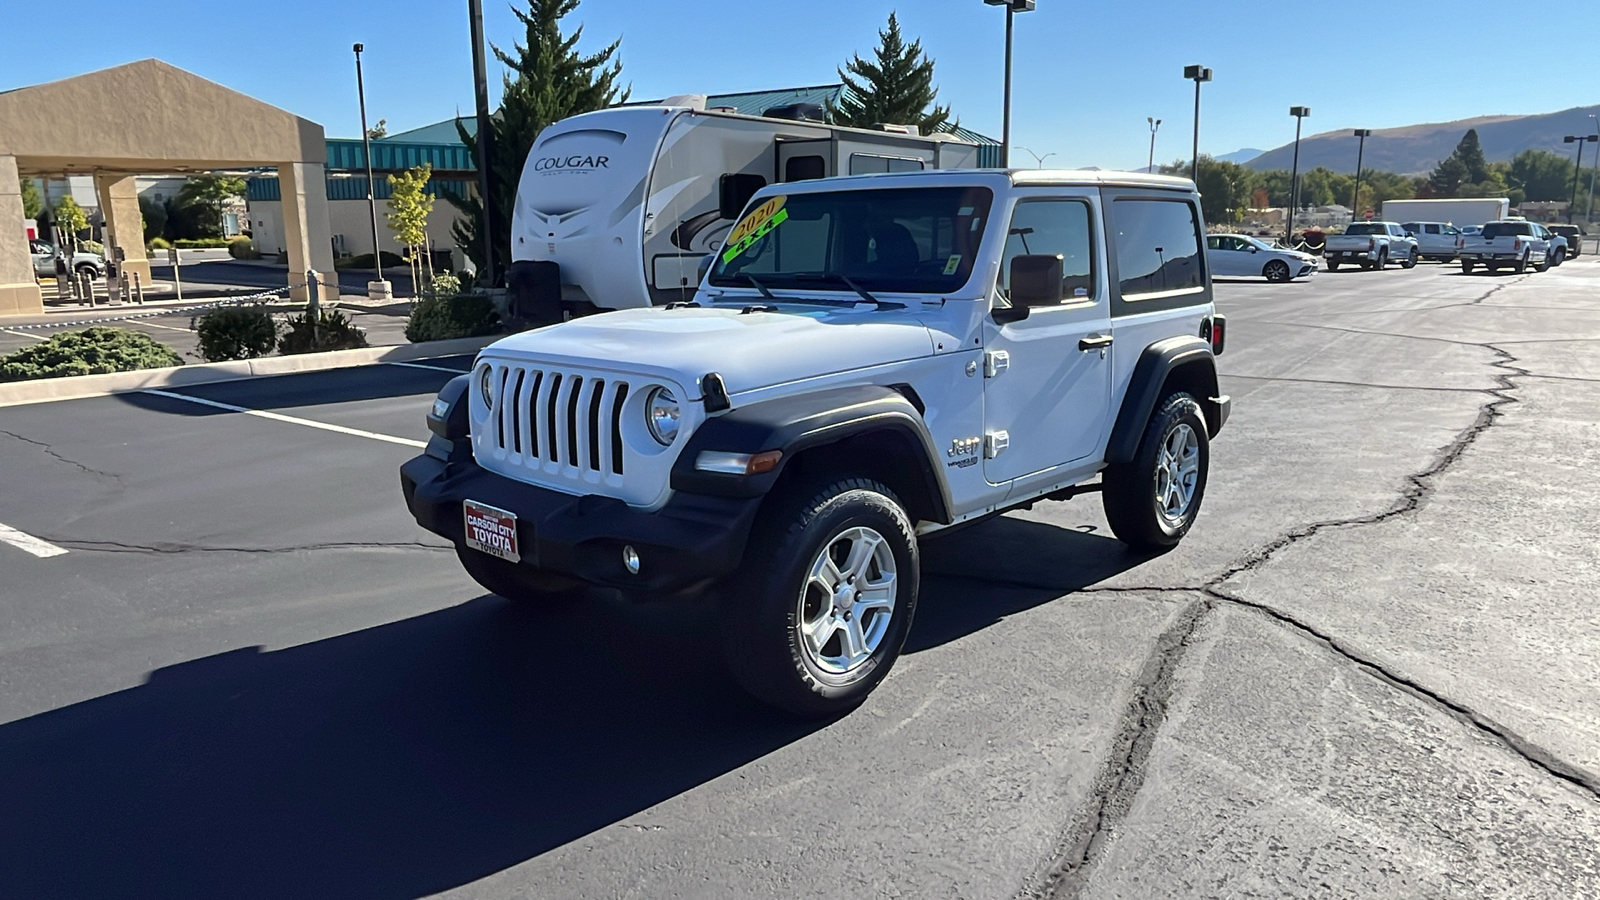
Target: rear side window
1158, 248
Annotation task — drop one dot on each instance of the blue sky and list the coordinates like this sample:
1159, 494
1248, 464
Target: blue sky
1087, 74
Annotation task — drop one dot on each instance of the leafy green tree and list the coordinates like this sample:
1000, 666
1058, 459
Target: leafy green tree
1225, 190
32, 201
410, 204
71, 219
203, 196
1541, 175
380, 130
895, 88
549, 80
155, 218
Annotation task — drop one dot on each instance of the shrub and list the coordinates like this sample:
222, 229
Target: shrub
92, 351
92, 247
440, 318
159, 243
236, 332
334, 332
364, 261
200, 243
443, 285
243, 248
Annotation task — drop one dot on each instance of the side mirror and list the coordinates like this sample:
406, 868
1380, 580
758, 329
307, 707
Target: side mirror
734, 191
1036, 280
1254, 249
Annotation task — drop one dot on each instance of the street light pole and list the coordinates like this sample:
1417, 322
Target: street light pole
1199, 74
1590, 217
480, 90
1012, 8
1155, 124
1355, 202
1036, 157
1577, 168
366, 151
1299, 113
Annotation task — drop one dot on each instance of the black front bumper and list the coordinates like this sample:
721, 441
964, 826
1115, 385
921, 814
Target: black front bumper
690, 541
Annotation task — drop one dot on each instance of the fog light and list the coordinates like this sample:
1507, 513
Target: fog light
630, 560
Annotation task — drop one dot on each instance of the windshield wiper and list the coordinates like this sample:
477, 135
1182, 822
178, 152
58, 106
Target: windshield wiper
850, 283
757, 285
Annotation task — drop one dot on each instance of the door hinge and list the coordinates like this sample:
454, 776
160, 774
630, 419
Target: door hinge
995, 362
996, 443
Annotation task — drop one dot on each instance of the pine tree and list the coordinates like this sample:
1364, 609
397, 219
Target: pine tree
896, 89
1470, 153
1448, 177
549, 80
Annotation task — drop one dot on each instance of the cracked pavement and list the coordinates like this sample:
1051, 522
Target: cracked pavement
1370, 669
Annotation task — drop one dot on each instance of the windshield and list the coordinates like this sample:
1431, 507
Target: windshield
1502, 229
1366, 228
916, 240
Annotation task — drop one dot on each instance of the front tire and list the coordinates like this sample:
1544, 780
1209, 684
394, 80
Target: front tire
1276, 271
1152, 501
826, 600
1411, 261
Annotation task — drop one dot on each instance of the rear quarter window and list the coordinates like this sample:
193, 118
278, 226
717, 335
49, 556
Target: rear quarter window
1157, 248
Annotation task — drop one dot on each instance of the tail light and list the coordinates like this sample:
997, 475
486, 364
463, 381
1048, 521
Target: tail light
1215, 330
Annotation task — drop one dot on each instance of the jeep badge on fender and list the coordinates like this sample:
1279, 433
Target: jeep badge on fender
783, 442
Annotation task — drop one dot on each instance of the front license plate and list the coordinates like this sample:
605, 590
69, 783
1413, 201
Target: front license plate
491, 530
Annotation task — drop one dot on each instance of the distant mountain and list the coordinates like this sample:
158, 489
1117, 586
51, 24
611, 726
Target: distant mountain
1241, 156
1416, 149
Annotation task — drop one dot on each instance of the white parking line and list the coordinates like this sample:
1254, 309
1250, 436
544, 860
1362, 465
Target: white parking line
24, 334
279, 417
425, 366
154, 325
28, 543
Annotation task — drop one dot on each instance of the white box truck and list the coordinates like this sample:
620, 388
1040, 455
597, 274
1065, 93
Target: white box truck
1459, 212
617, 208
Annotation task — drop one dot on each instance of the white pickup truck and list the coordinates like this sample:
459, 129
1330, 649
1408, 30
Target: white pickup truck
1373, 245
1515, 243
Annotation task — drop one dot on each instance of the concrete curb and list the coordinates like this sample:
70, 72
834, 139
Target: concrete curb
47, 390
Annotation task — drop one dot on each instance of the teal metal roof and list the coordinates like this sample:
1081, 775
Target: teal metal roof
437, 133
354, 188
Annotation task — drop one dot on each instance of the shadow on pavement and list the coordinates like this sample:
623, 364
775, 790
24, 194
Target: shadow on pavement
305, 389
409, 758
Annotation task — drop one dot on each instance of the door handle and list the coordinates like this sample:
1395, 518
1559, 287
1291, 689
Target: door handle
1095, 342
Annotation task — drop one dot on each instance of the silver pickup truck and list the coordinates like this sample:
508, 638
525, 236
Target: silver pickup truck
1372, 245
1511, 243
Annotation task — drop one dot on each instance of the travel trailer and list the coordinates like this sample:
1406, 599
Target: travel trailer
617, 208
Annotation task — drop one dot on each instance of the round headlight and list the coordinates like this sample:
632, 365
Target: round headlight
661, 412
483, 386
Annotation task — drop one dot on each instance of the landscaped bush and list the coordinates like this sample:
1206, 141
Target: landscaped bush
364, 261
443, 285
92, 247
200, 243
236, 332
158, 243
437, 318
334, 332
92, 351
243, 248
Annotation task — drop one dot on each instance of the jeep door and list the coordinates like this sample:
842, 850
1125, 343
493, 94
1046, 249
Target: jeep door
1047, 377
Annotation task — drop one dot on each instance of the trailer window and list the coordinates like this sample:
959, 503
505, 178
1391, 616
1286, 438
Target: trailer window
805, 168
871, 163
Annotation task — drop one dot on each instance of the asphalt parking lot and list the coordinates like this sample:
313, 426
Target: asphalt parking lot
1369, 671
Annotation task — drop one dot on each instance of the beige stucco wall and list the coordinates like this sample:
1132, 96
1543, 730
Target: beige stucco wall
304, 189
19, 293
119, 204
350, 224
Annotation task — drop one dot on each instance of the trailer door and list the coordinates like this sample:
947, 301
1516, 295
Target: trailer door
803, 160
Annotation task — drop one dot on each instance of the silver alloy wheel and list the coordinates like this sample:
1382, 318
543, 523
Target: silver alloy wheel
847, 601
1177, 474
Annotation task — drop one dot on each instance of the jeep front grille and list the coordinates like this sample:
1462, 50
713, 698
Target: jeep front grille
556, 421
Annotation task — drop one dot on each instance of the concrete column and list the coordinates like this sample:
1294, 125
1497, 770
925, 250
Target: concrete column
19, 292
119, 205
307, 236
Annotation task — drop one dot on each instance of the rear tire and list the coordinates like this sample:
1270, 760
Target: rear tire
1522, 264
1333, 265
1152, 501
1383, 261
822, 608
1466, 267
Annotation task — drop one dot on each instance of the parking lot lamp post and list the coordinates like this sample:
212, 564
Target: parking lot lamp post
1199, 75
1155, 124
1590, 217
366, 151
1036, 157
1577, 168
1299, 113
1361, 148
1012, 8
480, 97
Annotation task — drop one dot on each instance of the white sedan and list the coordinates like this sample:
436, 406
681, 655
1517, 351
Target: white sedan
1235, 255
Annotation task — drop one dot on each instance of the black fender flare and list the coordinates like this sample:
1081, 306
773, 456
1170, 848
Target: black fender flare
1189, 356
803, 422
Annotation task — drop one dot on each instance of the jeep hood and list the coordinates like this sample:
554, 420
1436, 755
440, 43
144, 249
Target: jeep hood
749, 350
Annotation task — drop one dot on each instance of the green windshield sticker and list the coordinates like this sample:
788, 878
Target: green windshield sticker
755, 226
952, 264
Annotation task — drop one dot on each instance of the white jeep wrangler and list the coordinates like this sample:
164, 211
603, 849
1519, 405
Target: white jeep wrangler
868, 360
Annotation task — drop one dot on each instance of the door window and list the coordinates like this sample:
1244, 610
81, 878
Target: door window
1158, 248
804, 168
1053, 228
